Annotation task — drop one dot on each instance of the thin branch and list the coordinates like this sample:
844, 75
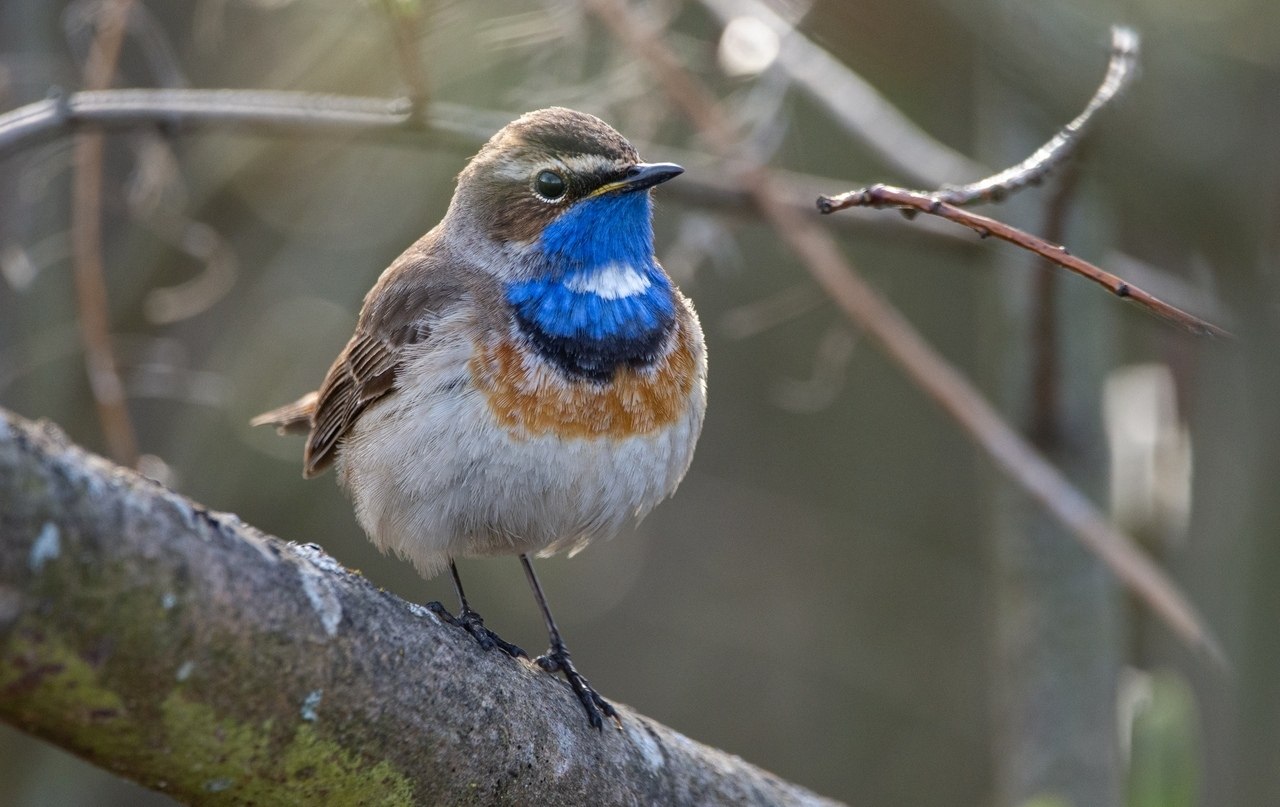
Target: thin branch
1176, 290
1012, 453
853, 102
86, 247
189, 652
448, 125
947, 201
1121, 69
924, 202
266, 109
902, 343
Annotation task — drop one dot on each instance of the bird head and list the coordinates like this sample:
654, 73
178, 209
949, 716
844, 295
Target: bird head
557, 206
561, 183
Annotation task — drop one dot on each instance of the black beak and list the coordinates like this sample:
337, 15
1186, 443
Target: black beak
645, 175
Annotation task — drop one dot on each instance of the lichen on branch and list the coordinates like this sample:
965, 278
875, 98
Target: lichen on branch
187, 651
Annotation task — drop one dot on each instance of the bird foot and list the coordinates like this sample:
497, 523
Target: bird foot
473, 624
557, 660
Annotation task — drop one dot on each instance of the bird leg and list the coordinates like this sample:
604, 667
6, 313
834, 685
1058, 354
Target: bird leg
472, 622
557, 659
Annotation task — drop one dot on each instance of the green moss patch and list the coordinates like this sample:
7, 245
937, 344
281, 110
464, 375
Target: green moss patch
194, 752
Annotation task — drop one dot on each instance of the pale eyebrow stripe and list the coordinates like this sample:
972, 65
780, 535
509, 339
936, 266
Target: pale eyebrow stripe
590, 164
516, 169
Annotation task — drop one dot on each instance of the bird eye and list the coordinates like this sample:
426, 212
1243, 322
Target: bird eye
549, 185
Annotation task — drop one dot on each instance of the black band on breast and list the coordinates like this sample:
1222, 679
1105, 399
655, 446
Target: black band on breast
596, 360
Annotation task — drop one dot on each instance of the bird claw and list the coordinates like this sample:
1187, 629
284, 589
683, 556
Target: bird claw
597, 708
473, 624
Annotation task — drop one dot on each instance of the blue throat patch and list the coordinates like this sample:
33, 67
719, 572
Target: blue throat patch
586, 333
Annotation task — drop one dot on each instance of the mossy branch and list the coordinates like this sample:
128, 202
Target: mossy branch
191, 653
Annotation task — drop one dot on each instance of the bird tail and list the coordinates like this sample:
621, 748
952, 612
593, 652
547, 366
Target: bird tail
294, 418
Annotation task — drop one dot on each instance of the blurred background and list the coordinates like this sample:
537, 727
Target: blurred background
844, 590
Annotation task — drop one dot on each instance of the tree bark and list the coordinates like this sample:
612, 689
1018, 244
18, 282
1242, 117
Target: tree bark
189, 652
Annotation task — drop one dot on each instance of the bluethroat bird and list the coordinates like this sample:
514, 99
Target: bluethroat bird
523, 379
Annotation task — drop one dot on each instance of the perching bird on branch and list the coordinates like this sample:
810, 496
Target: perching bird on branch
523, 379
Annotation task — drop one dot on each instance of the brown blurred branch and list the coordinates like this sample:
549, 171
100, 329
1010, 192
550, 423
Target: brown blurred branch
189, 652
405, 20
86, 246
1056, 616
1045, 423
902, 343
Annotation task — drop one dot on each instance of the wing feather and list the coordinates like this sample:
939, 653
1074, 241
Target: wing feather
399, 314
363, 373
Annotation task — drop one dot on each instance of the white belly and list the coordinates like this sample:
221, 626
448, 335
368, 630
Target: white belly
434, 475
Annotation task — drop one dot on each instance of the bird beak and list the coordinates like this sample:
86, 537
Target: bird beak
641, 176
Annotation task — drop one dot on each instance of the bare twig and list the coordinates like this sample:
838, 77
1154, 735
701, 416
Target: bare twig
269, 110
901, 342
86, 247
448, 125
187, 651
947, 201
886, 196
1011, 452
1121, 69
908, 149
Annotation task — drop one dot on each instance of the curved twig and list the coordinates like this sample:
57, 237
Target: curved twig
1121, 69
947, 201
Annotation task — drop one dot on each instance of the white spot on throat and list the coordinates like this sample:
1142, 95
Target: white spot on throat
612, 281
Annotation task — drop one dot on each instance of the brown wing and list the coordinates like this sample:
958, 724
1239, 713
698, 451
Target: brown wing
364, 372
421, 286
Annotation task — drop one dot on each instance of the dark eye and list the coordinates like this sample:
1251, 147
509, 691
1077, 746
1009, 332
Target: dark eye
549, 185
